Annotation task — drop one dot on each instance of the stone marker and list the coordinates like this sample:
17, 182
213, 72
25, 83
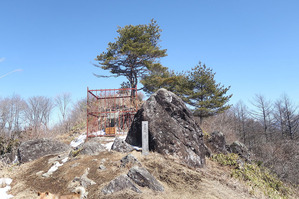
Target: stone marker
145, 147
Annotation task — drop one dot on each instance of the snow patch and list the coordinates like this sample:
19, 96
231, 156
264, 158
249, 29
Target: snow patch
81, 139
99, 133
64, 160
123, 137
55, 167
5, 182
109, 140
137, 148
108, 145
15, 160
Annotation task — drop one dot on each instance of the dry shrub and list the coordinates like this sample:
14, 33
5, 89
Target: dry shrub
222, 122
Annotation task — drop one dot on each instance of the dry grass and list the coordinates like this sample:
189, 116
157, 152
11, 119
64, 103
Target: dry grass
181, 182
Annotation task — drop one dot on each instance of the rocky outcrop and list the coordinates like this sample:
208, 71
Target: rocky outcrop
138, 175
172, 128
144, 179
9, 158
92, 147
121, 146
240, 149
83, 181
34, 149
120, 183
129, 161
216, 142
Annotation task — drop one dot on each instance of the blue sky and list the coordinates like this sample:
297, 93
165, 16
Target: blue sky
253, 46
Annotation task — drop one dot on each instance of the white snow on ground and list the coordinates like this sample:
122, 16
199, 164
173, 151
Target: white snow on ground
99, 133
81, 139
137, 148
55, 167
108, 145
65, 159
15, 160
78, 141
123, 137
109, 140
5, 182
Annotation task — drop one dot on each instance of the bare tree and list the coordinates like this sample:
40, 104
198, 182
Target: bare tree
38, 112
17, 108
78, 114
62, 101
279, 116
286, 116
241, 115
11, 114
4, 112
263, 112
224, 122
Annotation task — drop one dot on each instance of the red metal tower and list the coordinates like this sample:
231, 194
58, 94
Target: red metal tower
110, 111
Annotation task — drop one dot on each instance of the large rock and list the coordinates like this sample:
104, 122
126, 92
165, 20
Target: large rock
144, 179
120, 183
121, 146
240, 149
172, 128
216, 142
92, 147
34, 149
129, 160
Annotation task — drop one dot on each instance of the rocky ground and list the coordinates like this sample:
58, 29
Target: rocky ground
179, 181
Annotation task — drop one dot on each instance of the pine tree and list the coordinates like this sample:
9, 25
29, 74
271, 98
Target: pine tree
135, 50
197, 88
162, 77
205, 95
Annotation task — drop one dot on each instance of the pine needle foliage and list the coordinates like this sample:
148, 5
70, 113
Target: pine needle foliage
206, 96
162, 77
135, 50
197, 88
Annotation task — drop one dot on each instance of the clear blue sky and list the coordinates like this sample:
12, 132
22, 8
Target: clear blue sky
253, 46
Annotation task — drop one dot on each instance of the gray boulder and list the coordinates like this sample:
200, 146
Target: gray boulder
240, 149
34, 149
172, 128
144, 179
92, 147
121, 146
120, 183
9, 158
83, 181
129, 160
217, 143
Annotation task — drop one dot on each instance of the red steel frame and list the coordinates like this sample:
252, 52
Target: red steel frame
110, 108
